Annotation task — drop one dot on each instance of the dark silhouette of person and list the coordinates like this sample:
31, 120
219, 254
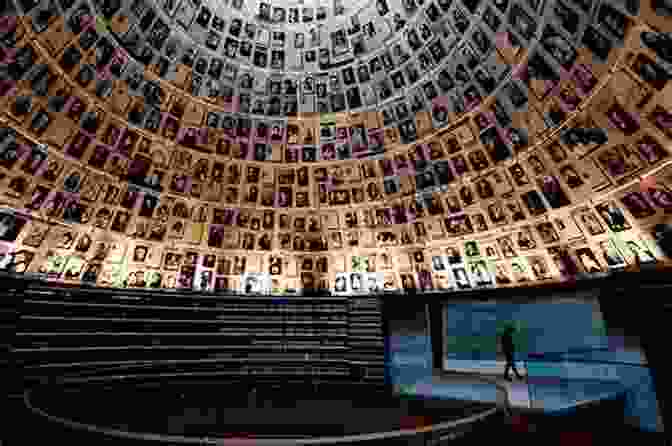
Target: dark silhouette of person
509, 349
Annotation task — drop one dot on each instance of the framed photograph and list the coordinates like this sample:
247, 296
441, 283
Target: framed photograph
35, 234
461, 278
264, 13
539, 267
534, 202
472, 249
356, 282
466, 195
339, 42
342, 283
518, 175
480, 273
560, 255
547, 233
566, 227
613, 216
277, 60
525, 238
587, 219
502, 275
10, 226
611, 255
638, 253
553, 191
496, 213
439, 263
255, 283
172, 261
588, 260
453, 255
443, 281
519, 268
536, 165
279, 15
490, 251
307, 15
506, 246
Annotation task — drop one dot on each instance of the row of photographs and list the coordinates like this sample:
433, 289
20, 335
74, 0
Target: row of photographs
640, 204
410, 131
240, 130
262, 85
288, 14
356, 142
568, 15
612, 17
446, 273
646, 202
661, 124
643, 203
147, 27
198, 21
255, 139
136, 37
312, 234
19, 257
353, 140
459, 208
281, 14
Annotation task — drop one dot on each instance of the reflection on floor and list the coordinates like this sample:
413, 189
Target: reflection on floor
461, 386
546, 395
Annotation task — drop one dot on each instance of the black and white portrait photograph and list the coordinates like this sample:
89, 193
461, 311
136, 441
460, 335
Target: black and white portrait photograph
461, 278
339, 42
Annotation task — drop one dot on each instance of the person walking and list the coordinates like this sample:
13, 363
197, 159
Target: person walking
509, 349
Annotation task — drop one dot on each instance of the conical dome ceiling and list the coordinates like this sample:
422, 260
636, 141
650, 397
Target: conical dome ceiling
349, 146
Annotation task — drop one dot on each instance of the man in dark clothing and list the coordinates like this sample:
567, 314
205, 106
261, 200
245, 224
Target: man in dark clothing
509, 348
